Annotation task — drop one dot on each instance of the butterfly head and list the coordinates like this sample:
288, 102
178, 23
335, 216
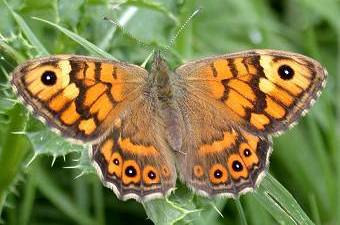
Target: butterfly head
159, 70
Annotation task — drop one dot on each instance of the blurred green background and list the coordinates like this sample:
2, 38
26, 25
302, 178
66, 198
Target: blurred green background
305, 184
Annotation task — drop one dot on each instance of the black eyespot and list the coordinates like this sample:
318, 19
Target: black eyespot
237, 166
286, 72
152, 175
247, 152
116, 162
49, 78
218, 173
130, 171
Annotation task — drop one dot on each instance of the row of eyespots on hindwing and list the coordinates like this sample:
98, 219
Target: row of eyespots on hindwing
237, 165
129, 170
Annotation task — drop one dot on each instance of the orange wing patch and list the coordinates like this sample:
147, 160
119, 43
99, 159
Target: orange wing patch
106, 149
70, 115
93, 93
252, 140
228, 140
274, 109
221, 70
276, 92
198, 171
102, 107
238, 103
68, 94
259, 120
244, 88
240, 67
107, 73
87, 126
128, 146
90, 71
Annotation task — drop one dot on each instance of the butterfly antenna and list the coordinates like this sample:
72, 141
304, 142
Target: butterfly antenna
129, 35
172, 41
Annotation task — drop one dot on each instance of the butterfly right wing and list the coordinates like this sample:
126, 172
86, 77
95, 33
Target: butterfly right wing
231, 105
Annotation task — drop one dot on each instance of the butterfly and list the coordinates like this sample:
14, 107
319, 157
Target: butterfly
210, 121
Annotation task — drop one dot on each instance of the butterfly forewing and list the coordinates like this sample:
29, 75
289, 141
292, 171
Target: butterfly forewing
79, 96
264, 90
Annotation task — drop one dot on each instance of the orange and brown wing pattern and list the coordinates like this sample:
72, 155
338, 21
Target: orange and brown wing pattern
218, 157
232, 163
135, 160
265, 90
79, 96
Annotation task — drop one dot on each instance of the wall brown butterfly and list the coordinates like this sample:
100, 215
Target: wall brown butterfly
210, 119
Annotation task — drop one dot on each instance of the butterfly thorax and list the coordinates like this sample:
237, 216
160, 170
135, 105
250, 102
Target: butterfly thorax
161, 82
160, 76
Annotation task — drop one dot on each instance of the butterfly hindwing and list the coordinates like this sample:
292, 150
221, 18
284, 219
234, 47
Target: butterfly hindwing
135, 160
233, 163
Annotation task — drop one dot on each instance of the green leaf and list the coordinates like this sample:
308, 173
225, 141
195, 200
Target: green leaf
241, 212
13, 149
27, 31
86, 44
58, 197
154, 6
166, 212
46, 142
4, 47
280, 203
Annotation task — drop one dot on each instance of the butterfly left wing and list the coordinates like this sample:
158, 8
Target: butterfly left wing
78, 96
103, 102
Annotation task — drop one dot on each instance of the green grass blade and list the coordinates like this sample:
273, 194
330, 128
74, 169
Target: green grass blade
98, 202
4, 47
256, 214
13, 149
83, 42
58, 197
241, 212
123, 20
27, 204
315, 210
280, 203
27, 31
154, 6
337, 132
